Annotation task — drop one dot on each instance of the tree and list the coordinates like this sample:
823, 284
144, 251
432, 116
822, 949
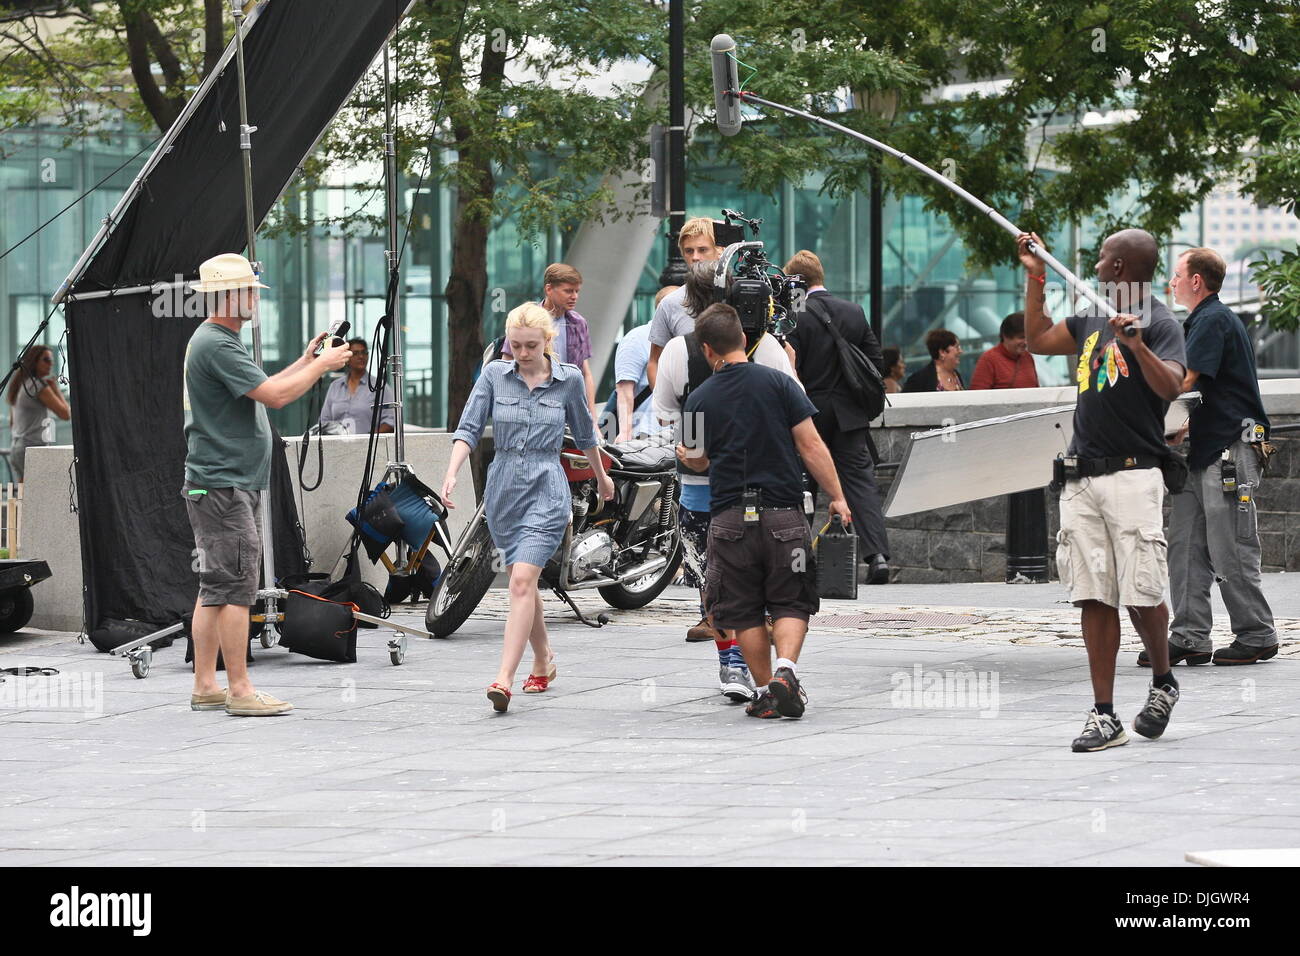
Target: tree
519, 83
74, 57
1277, 182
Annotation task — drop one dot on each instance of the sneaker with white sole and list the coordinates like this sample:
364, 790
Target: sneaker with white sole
788, 693
736, 684
1100, 732
257, 704
1152, 719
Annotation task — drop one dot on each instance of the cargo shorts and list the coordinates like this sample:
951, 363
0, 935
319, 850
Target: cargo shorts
760, 568
227, 543
1111, 547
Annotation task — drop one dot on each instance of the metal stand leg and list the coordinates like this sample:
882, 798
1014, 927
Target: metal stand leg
139, 653
601, 619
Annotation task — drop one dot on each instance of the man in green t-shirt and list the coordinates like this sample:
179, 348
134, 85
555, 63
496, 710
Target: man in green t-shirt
227, 466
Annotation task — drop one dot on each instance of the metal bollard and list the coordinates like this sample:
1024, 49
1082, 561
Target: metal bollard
1027, 537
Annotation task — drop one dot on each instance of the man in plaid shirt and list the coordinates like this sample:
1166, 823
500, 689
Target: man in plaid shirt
561, 285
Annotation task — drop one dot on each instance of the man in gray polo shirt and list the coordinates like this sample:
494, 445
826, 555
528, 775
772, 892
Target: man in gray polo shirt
227, 466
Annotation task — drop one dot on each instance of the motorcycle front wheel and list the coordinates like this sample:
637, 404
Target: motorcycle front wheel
464, 582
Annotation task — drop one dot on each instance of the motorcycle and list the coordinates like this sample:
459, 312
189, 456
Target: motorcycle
628, 548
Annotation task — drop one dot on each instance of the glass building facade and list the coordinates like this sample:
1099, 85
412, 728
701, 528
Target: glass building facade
321, 275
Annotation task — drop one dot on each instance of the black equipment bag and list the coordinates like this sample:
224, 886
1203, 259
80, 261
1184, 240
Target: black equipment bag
860, 375
348, 589
318, 627
113, 633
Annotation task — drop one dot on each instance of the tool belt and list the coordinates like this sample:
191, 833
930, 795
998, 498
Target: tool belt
1095, 467
757, 497
752, 502
1228, 463
1172, 468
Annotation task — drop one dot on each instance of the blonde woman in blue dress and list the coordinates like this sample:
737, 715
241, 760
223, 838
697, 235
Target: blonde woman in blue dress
530, 399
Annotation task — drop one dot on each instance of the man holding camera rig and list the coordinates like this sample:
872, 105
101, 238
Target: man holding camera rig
228, 464
672, 318
1111, 549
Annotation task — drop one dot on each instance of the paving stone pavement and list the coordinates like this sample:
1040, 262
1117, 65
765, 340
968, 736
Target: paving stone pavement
943, 744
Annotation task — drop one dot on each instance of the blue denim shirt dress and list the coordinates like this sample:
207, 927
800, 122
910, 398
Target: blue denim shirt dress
528, 505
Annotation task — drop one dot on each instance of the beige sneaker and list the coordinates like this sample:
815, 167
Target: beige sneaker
214, 701
257, 704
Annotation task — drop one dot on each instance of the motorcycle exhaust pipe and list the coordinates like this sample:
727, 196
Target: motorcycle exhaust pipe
642, 569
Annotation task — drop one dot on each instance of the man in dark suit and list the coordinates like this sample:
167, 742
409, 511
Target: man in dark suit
841, 420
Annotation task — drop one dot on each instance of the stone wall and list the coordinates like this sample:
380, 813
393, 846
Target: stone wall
967, 542
52, 533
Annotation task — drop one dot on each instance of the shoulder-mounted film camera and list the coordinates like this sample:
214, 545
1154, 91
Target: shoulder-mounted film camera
758, 290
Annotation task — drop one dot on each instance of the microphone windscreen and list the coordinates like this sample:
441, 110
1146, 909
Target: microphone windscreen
725, 81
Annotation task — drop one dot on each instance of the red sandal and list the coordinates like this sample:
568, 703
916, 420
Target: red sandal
499, 694
537, 684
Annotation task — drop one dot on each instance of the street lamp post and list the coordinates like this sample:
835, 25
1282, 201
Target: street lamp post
675, 271
883, 105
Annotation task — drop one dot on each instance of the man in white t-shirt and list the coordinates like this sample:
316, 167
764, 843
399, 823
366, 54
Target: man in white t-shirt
680, 357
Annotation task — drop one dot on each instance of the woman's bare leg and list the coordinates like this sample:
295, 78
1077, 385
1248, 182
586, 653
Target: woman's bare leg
540, 641
525, 606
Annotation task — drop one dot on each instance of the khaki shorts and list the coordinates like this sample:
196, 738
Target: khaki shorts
227, 544
1111, 547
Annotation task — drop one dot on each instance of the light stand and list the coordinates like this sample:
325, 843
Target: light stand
397, 468
270, 635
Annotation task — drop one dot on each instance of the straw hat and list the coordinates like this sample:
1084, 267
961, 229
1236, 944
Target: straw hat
227, 271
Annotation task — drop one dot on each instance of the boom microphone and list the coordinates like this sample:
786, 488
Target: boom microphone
725, 85
729, 125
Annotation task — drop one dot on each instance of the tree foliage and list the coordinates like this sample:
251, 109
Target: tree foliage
1079, 102
1067, 106
92, 65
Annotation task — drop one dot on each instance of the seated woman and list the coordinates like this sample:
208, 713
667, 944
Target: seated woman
941, 374
348, 403
895, 370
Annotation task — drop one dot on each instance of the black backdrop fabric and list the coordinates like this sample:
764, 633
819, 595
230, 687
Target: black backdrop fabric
303, 58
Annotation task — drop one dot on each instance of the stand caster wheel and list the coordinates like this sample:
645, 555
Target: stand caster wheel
397, 650
603, 619
141, 660
270, 637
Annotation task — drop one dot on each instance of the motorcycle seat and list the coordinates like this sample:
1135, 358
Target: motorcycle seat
642, 456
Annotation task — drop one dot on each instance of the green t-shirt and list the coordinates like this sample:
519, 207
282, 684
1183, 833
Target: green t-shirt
228, 434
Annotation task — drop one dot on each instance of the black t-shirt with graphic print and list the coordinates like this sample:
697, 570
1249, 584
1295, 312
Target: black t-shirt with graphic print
1118, 415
